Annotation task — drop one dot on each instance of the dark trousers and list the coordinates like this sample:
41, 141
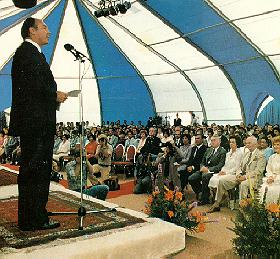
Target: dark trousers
143, 185
34, 179
184, 178
199, 183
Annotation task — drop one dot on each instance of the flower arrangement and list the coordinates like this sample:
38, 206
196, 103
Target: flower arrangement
257, 227
170, 206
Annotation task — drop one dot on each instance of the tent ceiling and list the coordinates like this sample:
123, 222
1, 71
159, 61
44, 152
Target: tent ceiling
160, 56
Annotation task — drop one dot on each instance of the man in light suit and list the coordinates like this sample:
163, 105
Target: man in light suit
252, 168
212, 162
250, 174
33, 118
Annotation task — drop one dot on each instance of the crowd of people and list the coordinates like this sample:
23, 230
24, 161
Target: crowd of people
212, 159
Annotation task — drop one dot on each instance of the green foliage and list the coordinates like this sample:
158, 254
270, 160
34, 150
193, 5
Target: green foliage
170, 206
257, 228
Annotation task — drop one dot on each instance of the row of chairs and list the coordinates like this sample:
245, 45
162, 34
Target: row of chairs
122, 159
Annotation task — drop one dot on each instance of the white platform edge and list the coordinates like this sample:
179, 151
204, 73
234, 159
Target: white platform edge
152, 239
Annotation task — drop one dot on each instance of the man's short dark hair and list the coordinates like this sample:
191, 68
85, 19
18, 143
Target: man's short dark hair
28, 23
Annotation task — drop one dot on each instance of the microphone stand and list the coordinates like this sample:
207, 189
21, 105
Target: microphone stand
82, 210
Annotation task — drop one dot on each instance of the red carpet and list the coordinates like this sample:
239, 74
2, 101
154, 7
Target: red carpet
125, 189
7, 178
11, 236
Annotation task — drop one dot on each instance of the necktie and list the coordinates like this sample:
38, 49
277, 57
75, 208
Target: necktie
195, 151
209, 158
246, 164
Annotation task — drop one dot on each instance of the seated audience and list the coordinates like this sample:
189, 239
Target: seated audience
169, 161
3, 142
112, 138
252, 168
193, 165
186, 150
16, 155
103, 153
130, 140
63, 149
166, 137
143, 175
91, 149
270, 189
225, 180
212, 163
152, 144
142, 141
73, 170
263, 145
57, 142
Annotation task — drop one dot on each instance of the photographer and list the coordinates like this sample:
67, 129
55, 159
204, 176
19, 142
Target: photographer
73, 170
169, 160
143, 172
103, 154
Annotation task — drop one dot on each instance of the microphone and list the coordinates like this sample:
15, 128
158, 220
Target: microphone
78, 55
68, 47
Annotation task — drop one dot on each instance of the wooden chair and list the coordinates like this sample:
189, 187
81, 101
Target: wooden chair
129, 159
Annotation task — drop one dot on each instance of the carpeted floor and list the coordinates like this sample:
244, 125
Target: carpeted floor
11, 236
215, 242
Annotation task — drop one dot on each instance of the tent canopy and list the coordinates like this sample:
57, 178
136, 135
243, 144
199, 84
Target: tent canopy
218, 58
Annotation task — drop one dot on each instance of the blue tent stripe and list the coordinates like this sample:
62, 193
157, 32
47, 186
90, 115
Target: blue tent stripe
224, 44
124, 97
53, 21
11, 20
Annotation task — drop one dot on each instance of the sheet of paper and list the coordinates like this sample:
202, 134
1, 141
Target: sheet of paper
74, 93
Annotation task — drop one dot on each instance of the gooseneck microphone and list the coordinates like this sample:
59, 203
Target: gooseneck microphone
68, 47
78, 55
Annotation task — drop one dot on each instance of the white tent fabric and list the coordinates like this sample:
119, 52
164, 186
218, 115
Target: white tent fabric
174, 63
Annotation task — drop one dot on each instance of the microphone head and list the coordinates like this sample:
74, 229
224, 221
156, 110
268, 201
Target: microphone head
68, 47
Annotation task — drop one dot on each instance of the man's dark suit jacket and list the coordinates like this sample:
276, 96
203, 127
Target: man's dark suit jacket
177, 122
215, 162
152, 145
34, 93
196, 160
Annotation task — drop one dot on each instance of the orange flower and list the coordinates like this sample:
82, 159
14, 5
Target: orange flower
243, 203
169, 196
170, 214
201, 227
155, 193
147, 210
150, 200
274, 208
178, 196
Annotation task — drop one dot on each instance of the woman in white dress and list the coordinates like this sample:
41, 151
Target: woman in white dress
232, 163
271, 181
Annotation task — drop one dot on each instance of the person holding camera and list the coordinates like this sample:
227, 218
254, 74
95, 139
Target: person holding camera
143, 175
73, 170
169, 160
103, 154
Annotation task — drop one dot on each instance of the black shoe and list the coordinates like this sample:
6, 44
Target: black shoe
26, 228
213, 209
50, 225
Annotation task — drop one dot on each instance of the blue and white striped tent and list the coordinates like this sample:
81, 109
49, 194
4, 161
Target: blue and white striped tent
218, 58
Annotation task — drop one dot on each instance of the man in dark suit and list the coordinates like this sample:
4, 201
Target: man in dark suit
195, 160
177, 120
33, 118
212, 162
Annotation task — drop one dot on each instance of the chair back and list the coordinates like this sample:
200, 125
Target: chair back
131, 153
119, 152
